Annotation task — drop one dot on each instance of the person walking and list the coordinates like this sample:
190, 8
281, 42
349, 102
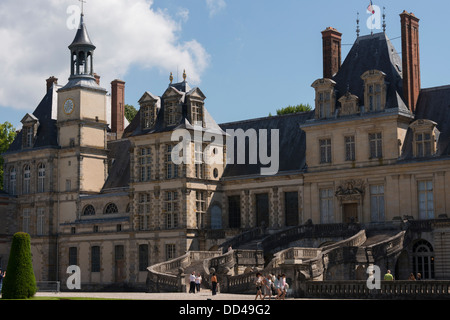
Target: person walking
419, 277
259, 284
198, 282
267, 286
214, 283
283, 288
411, 277
192, 282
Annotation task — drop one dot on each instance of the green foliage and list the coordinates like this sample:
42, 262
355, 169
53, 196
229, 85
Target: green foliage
294, 109
7, 135
130, 112
19, 282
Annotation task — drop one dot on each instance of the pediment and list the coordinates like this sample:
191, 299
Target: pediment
29, 118
171, 92
197, 93
148, 97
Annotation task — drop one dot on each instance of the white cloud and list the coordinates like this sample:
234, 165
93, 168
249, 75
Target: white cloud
35, 37
215, 6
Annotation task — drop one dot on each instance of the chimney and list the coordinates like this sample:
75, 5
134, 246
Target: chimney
331, 52
410, 58
97, 78
50, 81
117, 107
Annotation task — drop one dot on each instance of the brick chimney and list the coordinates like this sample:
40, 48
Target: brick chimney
411, 59
50, 81
117, 107
331, 52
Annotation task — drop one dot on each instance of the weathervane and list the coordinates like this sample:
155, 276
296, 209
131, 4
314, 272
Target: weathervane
82, 7
357, 26
384, 20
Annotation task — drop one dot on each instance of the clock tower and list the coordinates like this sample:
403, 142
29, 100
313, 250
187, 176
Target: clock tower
82, 123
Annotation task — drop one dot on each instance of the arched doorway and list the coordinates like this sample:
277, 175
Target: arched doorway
423, 259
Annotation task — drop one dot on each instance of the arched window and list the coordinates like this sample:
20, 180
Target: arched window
111, 208
26, 179
423, 259
12, 181
88, 210
41, 178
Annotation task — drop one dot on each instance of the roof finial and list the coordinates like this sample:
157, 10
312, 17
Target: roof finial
384, 20
184, 75
357, 26
171, 78
82, 7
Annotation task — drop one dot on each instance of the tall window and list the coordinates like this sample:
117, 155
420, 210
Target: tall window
28, 136
40, 221
199, 166
26, 220
171, 168
145, 161
144, 211
26, 179
73, 256
200, 207
326, 206
423, 259
143, 257
423, 144
95, 259
325, 150
376, 145
324, 104
426, 201
41, 178
149, 115
171, 206
374, 96
197, 113
377, 203
171, 116
350, 148
170, 251
13, 181
234, 211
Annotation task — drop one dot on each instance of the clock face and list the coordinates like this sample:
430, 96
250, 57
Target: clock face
68, 106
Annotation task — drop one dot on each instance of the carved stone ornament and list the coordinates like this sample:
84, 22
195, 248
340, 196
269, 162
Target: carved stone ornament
351, 190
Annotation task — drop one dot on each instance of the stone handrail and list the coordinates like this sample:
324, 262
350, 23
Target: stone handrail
168, 276
244, 237
425, 289
387, 247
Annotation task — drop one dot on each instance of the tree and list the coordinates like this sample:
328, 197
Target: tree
130, 112
7, 135
294, 109
19, 282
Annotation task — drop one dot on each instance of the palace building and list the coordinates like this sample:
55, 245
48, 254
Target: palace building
106, 195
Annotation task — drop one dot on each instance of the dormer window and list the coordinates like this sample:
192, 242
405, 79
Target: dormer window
29, 129
325, 98
374, 90
171, 113
197, 113
349, 104
148, 116
425, 138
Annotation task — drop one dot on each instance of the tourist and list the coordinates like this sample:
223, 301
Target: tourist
267, 286
283, 288
2, 275
192, 282
419, 277
411, 277
259, 284
388, 276
214, 284
198, 282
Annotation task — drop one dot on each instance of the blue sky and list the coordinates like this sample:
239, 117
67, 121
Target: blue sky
249, 57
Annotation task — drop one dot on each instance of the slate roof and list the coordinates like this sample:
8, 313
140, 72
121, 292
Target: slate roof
119, 174
292, 147
47, 133
371, 52
433, 104
135, 129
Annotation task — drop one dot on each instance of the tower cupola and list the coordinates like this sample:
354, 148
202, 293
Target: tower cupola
82, 53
